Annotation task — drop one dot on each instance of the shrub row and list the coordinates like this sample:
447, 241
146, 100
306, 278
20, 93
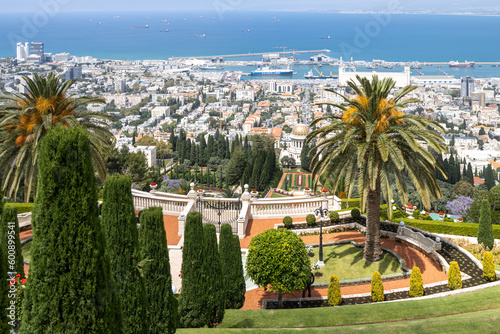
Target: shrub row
21, 207
352, 203
464, 229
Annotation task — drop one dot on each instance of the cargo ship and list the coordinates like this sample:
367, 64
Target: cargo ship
464, 64
141, 27
310, 75
272, 71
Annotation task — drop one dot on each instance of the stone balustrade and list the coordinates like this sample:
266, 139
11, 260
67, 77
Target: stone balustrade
173, 205
280, 207
418, 239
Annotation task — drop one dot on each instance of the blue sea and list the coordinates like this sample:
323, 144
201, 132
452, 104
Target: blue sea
390, 37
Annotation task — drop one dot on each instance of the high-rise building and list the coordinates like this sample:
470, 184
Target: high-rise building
73, 73
23, 51
37, 49
120, 85
272, 86
467, 87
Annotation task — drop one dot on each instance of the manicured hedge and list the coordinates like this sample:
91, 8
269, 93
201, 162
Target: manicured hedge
21, 207
464, 229
352, 203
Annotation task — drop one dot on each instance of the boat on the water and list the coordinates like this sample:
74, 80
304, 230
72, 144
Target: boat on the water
266, 70
166, 30
200, 36
464, 64
327, 37
248, 30
141, 27
310, 75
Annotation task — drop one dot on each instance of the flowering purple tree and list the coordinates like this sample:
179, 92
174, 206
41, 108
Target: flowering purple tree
460, 206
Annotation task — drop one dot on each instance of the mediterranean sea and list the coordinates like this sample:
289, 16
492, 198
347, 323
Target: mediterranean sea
390, 37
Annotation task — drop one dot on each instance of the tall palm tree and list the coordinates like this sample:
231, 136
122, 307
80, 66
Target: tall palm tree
374, 143
26, 118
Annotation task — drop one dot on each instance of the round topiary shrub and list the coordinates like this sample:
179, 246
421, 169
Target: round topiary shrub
488, 267
454, 278
334, 217
334, 297
311, 220
377, 288
288, 221
416, 283
355, 213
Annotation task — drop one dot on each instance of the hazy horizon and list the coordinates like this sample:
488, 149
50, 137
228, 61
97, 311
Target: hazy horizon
451, 6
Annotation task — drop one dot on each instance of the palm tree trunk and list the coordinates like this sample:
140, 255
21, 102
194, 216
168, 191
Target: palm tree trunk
373, 250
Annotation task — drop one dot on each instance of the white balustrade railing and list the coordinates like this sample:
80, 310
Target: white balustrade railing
278, 207
172, 205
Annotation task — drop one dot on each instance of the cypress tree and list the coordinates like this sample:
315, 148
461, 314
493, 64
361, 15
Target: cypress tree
489, 177
247, 173
210, 148
9, 215
469, 174
216, 294
193, 298
69, 286
485, 229
120, 229
232, 268
266, 173
156, 271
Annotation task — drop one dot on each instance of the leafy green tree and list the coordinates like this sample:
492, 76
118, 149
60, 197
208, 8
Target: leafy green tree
10, 237
232, 268
462, 188
373, 142
485, 229
120, 229
69, 284
193, 298
277, 261
156, 270
26, 118
236, 165
212, 270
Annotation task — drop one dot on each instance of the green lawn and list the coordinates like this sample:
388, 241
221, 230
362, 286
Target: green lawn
346, 261
464, 313
26, 251
274, 195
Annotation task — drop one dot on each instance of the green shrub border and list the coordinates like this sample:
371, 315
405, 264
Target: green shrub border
460, 229
22, 207
352, 203
406, 271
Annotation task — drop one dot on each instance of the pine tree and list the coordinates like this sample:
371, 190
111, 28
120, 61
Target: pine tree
212, 270
485, 229
7, 232
193, 298
232, 268
69, 285
120, 229
156, 270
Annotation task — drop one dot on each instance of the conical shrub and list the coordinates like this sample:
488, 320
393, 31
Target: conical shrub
156, 270
212, 270
334, 297
416, 283
488, 267
454, 278
377, 287
69, 287
485, 229
232, 268
120, 228
193, 298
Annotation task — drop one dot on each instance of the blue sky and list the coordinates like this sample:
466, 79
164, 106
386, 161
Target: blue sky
204, 5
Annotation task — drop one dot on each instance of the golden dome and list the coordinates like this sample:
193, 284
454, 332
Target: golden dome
300, 130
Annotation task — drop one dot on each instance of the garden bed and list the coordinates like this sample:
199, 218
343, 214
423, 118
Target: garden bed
448, 252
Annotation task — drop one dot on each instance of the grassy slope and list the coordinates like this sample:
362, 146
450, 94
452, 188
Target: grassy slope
348, 260
457, 314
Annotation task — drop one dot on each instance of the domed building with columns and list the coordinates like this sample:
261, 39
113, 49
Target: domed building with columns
297, 141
